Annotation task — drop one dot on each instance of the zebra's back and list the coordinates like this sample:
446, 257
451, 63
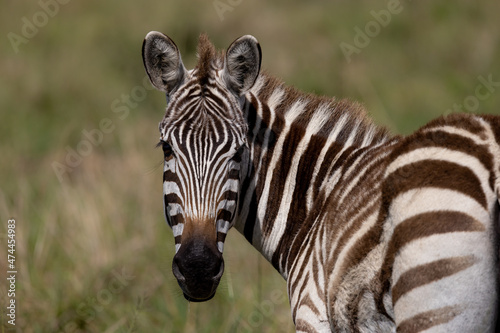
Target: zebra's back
441, 201
408, 237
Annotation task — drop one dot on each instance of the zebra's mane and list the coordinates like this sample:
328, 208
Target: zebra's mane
207, 57
341, 115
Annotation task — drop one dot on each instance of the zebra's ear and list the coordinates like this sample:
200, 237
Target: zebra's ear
162, 61
242, 64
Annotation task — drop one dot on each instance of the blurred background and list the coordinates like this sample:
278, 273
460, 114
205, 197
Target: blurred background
78, 126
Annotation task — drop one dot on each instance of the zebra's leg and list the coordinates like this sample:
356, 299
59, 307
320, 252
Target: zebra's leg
444, 276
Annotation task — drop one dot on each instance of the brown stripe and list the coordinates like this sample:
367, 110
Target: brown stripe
495, 125
439, 138
298, 292
224, 214
266, 157
434, 173
340, 161
431, 223
171, 198
362, 247
360, 208
330, 157
309, 250
221, 237
296, 218
424, 225
466, 122
427, 273
428, 319
251, 218
176, 219
316, 268
278, 180
306, 300
249, 182
169, 176
302, 325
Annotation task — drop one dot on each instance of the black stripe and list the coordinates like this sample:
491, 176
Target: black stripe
280, 174
434, 173
297, 213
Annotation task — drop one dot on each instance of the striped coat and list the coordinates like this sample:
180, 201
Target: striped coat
372, 232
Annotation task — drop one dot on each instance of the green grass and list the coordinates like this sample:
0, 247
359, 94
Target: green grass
105, 218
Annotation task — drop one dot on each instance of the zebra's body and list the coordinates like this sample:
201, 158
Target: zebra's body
373, 232
348, 215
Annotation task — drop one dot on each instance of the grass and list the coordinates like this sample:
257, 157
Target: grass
93, 251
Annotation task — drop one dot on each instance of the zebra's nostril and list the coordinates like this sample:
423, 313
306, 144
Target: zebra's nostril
177, 272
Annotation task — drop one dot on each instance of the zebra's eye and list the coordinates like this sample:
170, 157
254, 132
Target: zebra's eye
167, 149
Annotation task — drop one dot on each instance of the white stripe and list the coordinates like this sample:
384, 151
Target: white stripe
271, 242
369, 136
495, 151
459, 131
347, 249
228, 205
472, 288
172, 188
169, 165
257, 86
177, 229
294, 111
418, 201
174, 209
240, 222
428, 249
280, 223
257, 231
230, 185
275, 99
352, 135
360, 172
223, 226
331, 139
329, 183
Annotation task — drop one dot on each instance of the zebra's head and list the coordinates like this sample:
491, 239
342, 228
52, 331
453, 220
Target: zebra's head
203, 136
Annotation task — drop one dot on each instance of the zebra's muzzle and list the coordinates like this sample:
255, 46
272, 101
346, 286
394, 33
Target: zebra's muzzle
198, 268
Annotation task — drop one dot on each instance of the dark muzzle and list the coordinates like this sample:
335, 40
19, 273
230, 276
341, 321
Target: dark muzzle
198, 267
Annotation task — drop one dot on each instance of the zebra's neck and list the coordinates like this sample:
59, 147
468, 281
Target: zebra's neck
296, 143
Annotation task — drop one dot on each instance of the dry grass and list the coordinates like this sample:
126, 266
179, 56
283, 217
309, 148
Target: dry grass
74, 238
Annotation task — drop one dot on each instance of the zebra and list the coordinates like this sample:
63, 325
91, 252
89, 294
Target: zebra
373, 232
